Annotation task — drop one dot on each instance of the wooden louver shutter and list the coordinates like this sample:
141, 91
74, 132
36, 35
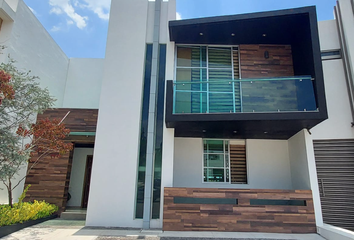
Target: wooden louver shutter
236, 64
238, 166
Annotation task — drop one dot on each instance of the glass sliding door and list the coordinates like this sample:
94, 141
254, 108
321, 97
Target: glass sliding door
205, 77
220, 70
191, 70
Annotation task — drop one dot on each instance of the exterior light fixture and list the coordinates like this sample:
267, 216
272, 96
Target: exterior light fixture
233, 34
201, 34
235, 131
265, 132
264, 35
204, 131
266, 54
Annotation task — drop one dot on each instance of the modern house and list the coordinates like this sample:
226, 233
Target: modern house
229, 123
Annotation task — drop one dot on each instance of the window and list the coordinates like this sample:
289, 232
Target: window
224, 161
216, 161
331, 54
207, 74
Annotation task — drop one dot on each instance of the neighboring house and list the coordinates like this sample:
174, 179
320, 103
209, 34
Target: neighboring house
230, 123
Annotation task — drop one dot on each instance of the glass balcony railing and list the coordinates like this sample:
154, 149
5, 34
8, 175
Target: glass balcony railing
289, 94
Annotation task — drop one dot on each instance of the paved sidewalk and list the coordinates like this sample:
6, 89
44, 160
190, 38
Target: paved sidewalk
75, 230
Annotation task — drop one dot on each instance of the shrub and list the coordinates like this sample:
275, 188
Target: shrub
22, 212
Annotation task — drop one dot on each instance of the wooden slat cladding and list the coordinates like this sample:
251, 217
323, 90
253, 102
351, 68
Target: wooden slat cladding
236, 63
255, 65
236, 66
79, 120
241, 217
50, 178
238, 166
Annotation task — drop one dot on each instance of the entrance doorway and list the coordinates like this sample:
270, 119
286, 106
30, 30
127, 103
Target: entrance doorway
87, 180
80, 177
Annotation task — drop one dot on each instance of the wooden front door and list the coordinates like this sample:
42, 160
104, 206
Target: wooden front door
87, 180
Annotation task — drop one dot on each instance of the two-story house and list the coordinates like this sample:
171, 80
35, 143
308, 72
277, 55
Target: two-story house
229, 123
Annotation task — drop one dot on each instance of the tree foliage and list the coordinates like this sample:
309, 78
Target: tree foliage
22, 98
6, 89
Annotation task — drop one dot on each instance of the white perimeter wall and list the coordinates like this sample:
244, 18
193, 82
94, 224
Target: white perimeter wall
267, 160
34, 49
77, 175
83, 87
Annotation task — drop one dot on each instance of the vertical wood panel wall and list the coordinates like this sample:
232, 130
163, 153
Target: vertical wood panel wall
240, 217
255, 65
50, 178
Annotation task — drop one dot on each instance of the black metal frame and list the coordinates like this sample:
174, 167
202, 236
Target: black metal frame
307, 61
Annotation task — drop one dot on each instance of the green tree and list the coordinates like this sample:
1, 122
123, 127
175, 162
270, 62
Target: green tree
19, 137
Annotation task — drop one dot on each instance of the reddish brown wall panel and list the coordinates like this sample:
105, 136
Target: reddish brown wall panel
79, 120
241, 217
50, 178
255, 65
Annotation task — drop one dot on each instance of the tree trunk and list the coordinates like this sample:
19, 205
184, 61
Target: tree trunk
9, 192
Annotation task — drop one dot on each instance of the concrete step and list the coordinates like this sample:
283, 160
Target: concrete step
71, 215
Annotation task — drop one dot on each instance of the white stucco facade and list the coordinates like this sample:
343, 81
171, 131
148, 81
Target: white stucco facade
83, 84
338, 124
118, 129
268, 165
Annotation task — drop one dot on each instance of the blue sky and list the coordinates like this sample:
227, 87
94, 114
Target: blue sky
80, 26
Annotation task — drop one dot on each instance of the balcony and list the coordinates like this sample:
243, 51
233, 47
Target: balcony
249, 76
290, 94
269, 108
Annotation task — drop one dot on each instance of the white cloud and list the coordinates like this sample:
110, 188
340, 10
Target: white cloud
32, 10
100, 7
69, 22
69, 7
178, 16
56, 10
66, 7
55, 29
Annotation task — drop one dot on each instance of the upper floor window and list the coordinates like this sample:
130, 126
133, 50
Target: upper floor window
202, 63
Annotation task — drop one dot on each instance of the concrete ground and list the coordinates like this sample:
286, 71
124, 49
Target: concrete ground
75, 230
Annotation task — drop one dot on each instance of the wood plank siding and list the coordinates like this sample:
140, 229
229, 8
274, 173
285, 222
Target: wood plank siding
255, 65
267, 96
79, 120
248, 213
50, 178
238, 165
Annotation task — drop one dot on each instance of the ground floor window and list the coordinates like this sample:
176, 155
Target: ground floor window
224, 161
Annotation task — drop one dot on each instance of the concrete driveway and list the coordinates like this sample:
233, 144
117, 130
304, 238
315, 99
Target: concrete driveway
75, 230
